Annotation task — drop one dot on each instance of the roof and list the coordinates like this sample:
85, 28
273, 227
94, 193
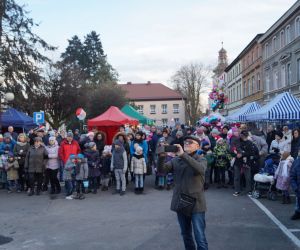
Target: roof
130, 111
112, 117
280, 21
244, 51
15, 118
149, 91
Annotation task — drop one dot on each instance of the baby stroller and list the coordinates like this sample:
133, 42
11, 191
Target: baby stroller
264, 182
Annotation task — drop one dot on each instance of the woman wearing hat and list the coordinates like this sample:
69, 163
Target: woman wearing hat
35, 165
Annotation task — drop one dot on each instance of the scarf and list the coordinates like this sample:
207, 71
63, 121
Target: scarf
22, 144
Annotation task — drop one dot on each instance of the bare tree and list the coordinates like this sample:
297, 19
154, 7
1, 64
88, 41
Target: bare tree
191, 81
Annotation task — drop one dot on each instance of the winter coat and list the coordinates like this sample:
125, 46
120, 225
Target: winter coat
249, 152
93, 161
138, 164
35, 159
81, 170
69, 170
295, 177
119, 160
282, 146
189, 178
282, 174
105, 165
126, 144
20, 151
222, 155
270, 137
53, 161
4, 146
12, 170
66, 149
153, 141
100, 143
295, 146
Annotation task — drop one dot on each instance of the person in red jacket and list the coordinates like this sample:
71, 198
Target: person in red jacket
67, 147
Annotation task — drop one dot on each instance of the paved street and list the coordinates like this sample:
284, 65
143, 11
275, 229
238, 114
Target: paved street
104, 221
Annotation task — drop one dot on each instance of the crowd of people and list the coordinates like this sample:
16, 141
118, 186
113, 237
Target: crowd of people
85, 163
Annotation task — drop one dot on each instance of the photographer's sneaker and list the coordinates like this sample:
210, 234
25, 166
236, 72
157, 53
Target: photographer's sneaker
70, 197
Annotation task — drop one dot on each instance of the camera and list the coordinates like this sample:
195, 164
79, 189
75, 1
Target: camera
171, 149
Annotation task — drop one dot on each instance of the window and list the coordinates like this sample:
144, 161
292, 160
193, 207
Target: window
288, 74
140, 109
176, 120
152, 109
274, 45
164, 108
275, 79
175, 108
165, 122
267, 81
298, 69
266, 50
282, 76
244, 89
282, 40
249, 87
258, 82
297, 26
288, 34
253, 85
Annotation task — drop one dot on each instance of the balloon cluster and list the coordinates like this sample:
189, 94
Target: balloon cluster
214, 120
218, 97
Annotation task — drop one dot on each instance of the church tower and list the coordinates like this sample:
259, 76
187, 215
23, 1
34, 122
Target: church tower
222, 62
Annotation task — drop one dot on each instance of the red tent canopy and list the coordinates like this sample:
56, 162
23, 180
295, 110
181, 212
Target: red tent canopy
110, 121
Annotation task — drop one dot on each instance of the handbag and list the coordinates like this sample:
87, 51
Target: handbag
185, 204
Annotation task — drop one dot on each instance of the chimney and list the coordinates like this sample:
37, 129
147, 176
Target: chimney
129, 83
149, 82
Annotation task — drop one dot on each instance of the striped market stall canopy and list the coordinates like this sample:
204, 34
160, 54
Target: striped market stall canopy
252, 108
283, 107
240, 114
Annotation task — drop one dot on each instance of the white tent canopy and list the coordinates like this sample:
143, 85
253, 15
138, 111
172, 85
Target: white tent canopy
240, 115
283, 107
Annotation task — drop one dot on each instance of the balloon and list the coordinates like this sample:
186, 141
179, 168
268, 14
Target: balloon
81, 114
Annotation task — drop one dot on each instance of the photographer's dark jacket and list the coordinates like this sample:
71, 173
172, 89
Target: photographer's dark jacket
189, 178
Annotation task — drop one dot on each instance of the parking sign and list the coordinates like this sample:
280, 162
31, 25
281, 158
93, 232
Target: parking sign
39, 117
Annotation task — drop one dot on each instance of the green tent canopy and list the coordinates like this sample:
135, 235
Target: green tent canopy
130, 111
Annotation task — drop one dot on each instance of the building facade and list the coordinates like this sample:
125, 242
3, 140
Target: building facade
156, 101
251, 58
281, 55
233, 86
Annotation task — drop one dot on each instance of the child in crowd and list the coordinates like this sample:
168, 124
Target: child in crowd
93, 160
222, 156
12, 167
105, 168
81, 171
282, 175
162, 156
119, 166
69, 176
3, 164
139, 168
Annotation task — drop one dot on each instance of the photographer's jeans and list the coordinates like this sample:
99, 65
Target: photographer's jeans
197, 224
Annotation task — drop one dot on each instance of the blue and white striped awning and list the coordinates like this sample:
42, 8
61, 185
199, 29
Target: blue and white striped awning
252, 108
240, 114
283, 107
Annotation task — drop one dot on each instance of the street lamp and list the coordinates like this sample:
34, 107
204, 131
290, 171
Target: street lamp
4, 99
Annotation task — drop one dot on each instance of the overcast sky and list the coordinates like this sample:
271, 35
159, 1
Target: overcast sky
150, 39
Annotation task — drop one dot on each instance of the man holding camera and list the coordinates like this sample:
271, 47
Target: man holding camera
188, 197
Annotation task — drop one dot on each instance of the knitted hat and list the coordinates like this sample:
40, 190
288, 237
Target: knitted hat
91, 144
204, 143
72, 156
36, 139
52, 138
162, 139
90, 134
220, 140
51, 133
139, 150
179, 133
215, 131
70, 134
234, 129
80, 156
7, 135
